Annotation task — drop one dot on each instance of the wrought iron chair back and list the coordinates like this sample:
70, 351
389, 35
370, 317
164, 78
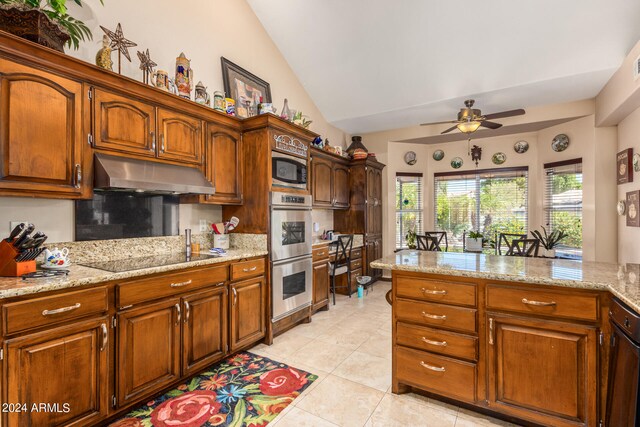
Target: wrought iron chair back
524, 248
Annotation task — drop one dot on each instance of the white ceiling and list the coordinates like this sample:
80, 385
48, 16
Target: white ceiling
372, 65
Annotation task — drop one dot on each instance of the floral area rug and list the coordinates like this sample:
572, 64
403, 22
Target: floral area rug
242, 390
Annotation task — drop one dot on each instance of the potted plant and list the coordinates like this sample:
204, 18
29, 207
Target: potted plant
549, 241
411, 239
45, 22
473, 241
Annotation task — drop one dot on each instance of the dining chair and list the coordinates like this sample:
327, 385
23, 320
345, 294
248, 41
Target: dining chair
524, 248
341, 263
438, 237
507, 239
426, 243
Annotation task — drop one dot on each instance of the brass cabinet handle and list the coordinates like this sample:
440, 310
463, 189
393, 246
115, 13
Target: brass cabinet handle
434, 316
433, 368
320, 254
153, 141
246, 270
433, 292
235, 296
217, 285
162, 146
538, 303
187, 312
61, 310
181, 284
105, 337
431, 342
78, 176
491, 331
177, 306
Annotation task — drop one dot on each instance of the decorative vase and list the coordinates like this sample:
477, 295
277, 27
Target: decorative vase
103, 57
286, 112
549, 253
184, 76
33, 25
472, 244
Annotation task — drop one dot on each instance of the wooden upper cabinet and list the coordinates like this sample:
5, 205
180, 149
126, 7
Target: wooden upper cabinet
341, 187
322, 182
224, 166
43, 149
179, 137
544, 372
204, 333
248, 305
123, 124
63, 366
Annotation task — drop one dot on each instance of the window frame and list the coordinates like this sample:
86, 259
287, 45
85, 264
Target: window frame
419, 211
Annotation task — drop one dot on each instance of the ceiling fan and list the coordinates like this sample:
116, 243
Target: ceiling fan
470, 119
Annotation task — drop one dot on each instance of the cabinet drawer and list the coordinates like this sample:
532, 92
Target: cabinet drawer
356, 264
625, 318
573, 305
354, 274
152, 288
437, 341
428, 371
245, 269
356, 253
439, 315
320, 253
436, 290
33, 313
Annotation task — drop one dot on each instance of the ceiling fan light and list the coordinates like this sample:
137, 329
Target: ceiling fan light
468, 127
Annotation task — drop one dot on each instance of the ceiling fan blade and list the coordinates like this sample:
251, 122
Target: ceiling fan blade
438, 123
503, 114
449, 130
490, 125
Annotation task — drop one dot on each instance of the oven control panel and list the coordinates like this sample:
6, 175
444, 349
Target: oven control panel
290, 200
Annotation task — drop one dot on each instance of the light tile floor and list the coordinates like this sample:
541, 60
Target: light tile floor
349, 348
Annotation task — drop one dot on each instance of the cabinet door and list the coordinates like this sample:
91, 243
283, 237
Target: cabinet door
123, 124
204, 337
341, 186
320, 284
322, 185
66, 368
543, 371
43, 149
148, 349
180, 137
247, 312
624, 370
370, 255
224, 165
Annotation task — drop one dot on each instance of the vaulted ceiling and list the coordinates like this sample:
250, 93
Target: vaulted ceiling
373, 65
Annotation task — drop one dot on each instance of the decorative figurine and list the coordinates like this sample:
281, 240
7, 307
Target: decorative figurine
286, 112
202, 97
146, 65
103, 57
218, 101
160, 79
184, 76
119, 43
476, 154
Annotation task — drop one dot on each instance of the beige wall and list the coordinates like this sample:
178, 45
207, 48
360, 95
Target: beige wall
596, 147
205, 30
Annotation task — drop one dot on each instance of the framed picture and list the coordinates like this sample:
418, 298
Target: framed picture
633, 208
245, 88
625, 166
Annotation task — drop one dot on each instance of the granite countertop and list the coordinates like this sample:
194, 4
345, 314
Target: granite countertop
623, 280
81, 276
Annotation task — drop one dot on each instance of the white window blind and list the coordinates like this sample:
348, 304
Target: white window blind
563, 205
489, 201
409, 209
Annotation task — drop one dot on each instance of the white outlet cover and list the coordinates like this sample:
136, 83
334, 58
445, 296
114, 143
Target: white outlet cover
203, 225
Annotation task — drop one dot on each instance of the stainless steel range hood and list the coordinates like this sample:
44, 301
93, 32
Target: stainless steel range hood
121, 173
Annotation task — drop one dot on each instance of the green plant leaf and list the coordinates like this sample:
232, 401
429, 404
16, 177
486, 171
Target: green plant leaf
193, 384
175, 393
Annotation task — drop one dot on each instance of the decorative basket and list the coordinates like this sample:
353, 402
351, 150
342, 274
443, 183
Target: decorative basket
33, 25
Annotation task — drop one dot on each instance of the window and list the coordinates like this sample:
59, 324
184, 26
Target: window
408, 206
490, 201
563, 205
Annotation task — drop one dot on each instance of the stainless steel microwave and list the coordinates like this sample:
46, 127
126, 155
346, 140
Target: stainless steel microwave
288, 171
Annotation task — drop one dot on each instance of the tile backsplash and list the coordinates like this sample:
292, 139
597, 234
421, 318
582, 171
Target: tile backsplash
324, 218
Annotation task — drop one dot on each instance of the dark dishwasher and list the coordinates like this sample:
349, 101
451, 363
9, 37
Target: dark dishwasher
624, 367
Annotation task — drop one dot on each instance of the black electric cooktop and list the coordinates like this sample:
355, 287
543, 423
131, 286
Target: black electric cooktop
139, 263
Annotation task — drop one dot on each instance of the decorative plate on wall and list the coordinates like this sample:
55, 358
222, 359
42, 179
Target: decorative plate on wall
636, 162
499, 158
560, 143
456, 163
410, 158
438, 155
521, 147
621, 207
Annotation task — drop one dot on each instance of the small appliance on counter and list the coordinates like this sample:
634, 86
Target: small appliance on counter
19, 251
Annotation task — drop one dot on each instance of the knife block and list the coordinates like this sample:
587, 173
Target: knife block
9, 267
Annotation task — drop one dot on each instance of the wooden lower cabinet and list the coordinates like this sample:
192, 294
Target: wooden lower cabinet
320, 284
248, 318
148, 355
373, 251
65, 367
204, 333
542, 371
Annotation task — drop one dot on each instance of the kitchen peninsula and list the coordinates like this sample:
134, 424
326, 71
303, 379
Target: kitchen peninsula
527, 338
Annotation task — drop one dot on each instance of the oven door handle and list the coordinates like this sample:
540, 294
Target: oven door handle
292, 260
